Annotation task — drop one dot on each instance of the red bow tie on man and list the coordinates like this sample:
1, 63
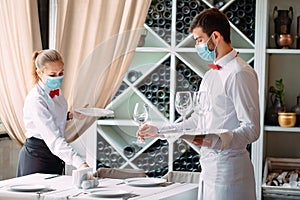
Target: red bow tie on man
215, 67
52, 93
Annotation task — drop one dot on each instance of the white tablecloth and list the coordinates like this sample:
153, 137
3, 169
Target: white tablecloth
63, 189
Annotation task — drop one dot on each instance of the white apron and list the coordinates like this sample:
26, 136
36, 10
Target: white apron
226, 177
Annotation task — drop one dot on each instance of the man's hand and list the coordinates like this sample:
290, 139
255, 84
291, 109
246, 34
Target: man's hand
147, 131
198, 140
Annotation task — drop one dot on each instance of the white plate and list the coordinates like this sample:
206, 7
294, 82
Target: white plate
104, 192
144, 181
109, 181
28, 187
94, 112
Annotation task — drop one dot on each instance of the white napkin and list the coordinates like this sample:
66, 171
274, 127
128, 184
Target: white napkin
80, 175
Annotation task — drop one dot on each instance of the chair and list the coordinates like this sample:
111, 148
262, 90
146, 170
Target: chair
119, 173
182, 177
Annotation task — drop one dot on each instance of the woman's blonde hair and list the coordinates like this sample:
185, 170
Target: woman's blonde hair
40, 58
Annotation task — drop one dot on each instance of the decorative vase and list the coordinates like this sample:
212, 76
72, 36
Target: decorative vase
283, 20
272, 113
296, 109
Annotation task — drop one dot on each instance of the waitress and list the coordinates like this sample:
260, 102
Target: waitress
45, 115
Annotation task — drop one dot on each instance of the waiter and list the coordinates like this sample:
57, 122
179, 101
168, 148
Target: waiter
232, 85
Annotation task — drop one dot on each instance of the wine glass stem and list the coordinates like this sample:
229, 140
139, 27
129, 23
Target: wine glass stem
183, 124
199, 125
203, 124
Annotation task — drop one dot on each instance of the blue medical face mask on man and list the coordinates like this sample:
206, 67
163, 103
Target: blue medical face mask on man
54, 82
204, 52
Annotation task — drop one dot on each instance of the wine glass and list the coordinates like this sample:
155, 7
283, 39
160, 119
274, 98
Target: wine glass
183, 104
202, 105
140, 115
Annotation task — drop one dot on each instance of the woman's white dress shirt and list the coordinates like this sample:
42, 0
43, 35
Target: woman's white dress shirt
227, 174
45, 118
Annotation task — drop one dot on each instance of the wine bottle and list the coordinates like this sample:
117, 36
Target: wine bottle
180, 4
161, 22
160, 7
159, 158
177, 166
161, 107
193, 5
229, 14
148, 94
130, 150
167, 15
100, 145
241, 14
186, 10
234, 7
187, 72
168, 4
150, 10
182, 148
160, 94
241, 3
114, 156
154, 100
179, 25
179, 16
155, 15
121, 161
248, 8
107, 150
164, 150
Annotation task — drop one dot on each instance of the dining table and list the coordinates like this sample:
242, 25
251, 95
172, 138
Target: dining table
40, 186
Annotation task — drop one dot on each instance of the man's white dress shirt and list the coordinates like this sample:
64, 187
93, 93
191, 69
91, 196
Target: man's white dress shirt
227, 172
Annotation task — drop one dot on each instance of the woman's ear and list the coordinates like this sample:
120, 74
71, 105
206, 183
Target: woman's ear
38, 72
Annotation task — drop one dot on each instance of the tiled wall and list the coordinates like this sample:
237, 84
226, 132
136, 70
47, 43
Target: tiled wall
9, 152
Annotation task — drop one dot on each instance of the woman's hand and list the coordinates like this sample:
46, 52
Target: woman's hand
147, 131
78, 115
84, 165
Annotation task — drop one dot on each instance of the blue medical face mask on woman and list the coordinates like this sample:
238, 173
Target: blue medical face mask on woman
204, 52
54, 82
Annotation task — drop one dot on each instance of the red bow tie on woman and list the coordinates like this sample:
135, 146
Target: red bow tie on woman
213, 66
53, 93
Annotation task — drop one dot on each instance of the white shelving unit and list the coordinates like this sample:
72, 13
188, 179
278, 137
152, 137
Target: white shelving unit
272, 64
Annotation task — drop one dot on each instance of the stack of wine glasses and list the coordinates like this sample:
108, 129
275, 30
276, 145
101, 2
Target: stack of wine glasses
156, 88
187, 80
154, 160
242, 14
107, 156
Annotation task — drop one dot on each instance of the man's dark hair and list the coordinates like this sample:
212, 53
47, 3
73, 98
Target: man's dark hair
211, 20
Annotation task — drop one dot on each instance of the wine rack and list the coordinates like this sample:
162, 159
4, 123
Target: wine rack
185, 158
174, 66
154, 160
242, 14
159, 17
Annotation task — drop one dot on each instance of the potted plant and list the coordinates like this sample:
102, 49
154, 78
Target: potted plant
277, 92
277, 102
